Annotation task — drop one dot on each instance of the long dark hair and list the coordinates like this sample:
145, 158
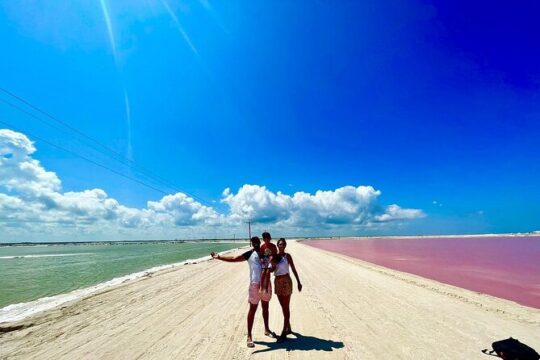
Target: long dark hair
276, 258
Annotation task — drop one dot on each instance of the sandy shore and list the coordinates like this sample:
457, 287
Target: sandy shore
349, 309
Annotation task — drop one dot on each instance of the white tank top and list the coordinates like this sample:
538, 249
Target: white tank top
282, 267
254, 262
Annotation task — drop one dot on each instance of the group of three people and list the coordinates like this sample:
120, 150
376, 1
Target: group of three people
262, 260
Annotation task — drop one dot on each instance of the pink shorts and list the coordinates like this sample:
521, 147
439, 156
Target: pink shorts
255, 296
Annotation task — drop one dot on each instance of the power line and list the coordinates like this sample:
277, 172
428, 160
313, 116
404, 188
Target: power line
89, 160
40, 110
18, 108
116, 156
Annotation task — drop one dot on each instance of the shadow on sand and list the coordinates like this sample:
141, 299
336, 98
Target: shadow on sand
300, 342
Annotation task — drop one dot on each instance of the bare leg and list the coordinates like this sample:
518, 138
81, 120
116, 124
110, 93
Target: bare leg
284, 301
267, 281
251, 319
265, 316
288, 302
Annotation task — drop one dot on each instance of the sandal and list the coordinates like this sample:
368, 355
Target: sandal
281, 338
250, 344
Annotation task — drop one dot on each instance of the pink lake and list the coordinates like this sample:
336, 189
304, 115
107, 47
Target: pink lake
504, 266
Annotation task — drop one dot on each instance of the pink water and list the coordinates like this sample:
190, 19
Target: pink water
506, 267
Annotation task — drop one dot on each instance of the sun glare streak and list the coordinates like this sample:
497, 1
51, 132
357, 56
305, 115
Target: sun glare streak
127, 107
206, 4
179, 26
110, 31
208, 7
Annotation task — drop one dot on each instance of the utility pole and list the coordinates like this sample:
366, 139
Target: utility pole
249, 229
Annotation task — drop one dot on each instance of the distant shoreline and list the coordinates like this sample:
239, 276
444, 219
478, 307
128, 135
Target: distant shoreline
241, 240
123, 242
534, 234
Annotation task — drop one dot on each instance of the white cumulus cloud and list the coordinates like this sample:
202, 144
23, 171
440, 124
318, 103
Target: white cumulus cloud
34, 195
32, 200
18, 171
346, 205
184, 210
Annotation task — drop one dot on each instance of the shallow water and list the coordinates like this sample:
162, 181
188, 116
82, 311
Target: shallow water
504, 266
32, 272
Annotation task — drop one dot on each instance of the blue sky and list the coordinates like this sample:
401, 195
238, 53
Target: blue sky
434, 104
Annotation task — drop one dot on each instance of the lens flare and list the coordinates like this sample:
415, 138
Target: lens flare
179, 27
110, 31
127, 107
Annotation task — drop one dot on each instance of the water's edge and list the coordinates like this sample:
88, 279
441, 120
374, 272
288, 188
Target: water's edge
20, 311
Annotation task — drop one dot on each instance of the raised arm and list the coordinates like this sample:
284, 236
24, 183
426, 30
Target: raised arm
291, 263
236, 258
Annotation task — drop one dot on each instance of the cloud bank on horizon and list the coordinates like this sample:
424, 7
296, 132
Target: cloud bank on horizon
33, 206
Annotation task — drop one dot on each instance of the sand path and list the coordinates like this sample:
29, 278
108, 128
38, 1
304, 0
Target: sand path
348, 309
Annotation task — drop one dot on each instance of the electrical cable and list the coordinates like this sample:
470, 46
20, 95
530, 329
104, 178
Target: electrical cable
116, 156
89, 160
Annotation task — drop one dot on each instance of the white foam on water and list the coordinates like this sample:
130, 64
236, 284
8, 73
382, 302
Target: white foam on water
20, 311
40, 256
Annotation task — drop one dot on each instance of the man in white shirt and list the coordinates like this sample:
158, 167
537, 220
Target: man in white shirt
253, 257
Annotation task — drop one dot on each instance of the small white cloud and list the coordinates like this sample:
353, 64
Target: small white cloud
394, 212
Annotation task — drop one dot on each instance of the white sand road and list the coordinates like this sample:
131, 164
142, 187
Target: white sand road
349, 309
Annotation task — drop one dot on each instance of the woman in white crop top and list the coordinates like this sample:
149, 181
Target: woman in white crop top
283, 285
